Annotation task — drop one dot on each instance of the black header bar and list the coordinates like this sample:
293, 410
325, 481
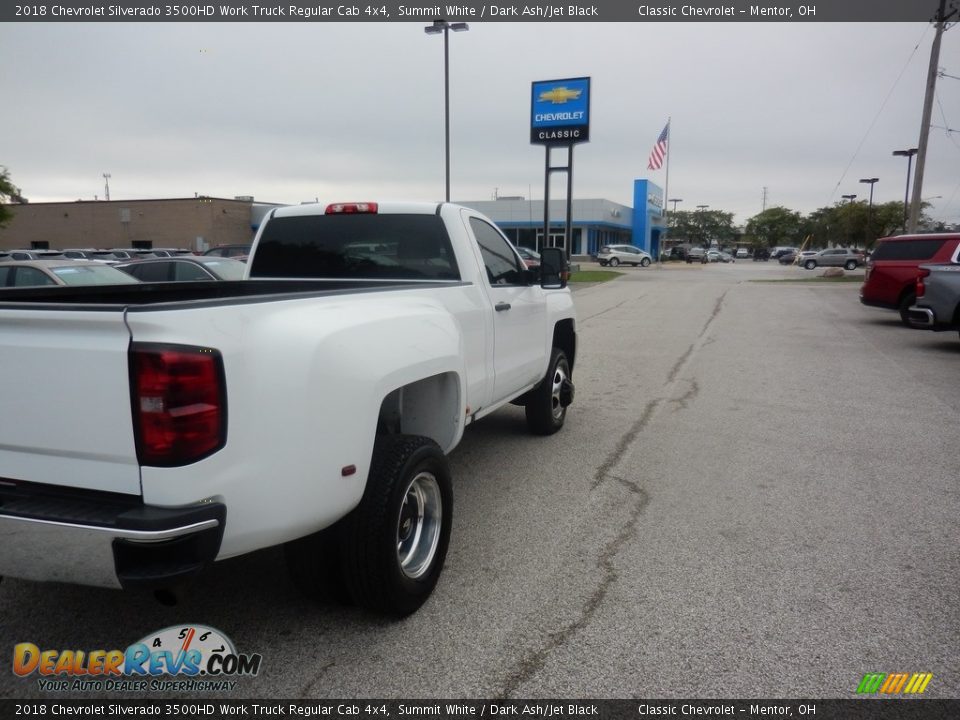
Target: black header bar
473, 11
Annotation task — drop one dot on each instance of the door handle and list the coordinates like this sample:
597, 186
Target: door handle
501, 306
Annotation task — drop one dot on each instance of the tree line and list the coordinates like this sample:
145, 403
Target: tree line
851, 224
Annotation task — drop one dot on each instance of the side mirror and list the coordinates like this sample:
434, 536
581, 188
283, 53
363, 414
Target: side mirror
554, 269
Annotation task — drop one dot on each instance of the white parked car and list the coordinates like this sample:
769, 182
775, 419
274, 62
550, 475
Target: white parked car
614, 255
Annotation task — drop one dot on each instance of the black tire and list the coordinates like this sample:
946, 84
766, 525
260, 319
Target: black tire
614, 262
314, 566
850, 265
905, 303
810, 264
602, 263
547, 403
645, 262
389, 564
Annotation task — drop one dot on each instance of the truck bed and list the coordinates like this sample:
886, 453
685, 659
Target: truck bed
193, 294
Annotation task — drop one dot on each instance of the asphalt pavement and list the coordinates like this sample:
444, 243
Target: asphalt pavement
755, 495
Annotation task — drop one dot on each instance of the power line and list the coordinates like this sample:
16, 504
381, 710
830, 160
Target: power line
879, 112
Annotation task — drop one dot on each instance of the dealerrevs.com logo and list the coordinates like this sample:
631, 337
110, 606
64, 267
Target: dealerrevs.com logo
201, 658
894, 683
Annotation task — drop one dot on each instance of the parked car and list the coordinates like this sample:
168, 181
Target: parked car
240, 252
834, 257
761, 254
39, 273
531, 258
184, 269
743, 253
696, 254
120, 254
31, 255
787, 258
170, 252
613, 255
102, 256
781, 250
726, 257
892, 268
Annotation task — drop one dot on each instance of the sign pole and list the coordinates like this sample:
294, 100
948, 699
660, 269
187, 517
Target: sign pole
559, 116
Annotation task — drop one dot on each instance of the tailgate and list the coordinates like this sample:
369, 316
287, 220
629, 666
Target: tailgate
65, 416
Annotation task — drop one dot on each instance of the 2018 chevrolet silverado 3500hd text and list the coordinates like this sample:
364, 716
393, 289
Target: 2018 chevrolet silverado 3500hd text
310, 405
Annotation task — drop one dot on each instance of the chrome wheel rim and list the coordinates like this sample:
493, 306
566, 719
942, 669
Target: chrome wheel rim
559, 377
418, 525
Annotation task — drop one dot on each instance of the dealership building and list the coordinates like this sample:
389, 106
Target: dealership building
594, 223
201, 222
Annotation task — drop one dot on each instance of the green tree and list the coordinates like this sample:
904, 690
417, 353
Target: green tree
854, 224
775, 226
701, 227
9, 193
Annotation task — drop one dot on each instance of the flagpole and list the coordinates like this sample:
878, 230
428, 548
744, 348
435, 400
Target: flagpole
666, 194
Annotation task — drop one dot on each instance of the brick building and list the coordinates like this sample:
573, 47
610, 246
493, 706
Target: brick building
193, 223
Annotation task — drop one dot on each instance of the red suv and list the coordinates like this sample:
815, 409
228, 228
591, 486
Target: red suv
892, 268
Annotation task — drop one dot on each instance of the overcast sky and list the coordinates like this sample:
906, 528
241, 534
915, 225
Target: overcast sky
293, 112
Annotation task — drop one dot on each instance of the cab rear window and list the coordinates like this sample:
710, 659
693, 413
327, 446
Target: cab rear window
907, 249
356, 246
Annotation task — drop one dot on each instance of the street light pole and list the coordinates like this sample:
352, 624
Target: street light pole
675, 201
703, 227
442, 26
849, 198
908, 154
869, 238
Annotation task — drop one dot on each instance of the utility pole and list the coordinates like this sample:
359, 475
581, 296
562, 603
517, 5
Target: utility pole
106, 186
941, 21
764, 198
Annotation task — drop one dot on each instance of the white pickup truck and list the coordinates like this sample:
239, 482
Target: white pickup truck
148, 430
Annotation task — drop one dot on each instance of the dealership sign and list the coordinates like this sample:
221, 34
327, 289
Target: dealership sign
560, 111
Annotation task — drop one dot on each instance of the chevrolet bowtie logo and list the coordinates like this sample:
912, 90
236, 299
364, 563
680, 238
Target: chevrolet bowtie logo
560, 95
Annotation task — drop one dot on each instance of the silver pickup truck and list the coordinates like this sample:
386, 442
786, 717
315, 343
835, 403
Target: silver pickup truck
938, 298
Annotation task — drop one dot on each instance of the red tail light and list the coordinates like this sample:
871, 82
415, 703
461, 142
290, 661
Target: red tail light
179, 403
357, 208
921, 288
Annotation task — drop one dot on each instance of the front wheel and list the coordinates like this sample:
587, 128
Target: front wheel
851, 265
810, 264
393, 544
547, 403
614, 262
645, 262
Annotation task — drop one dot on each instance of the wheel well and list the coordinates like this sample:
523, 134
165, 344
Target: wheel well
565, 338
429, 407
909, 290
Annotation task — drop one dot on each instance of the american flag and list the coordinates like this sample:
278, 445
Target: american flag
659, 151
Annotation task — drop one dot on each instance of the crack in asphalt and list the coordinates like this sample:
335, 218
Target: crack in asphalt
684, 400
611, 308
535, 660
713, 316
624, 443
304, 691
